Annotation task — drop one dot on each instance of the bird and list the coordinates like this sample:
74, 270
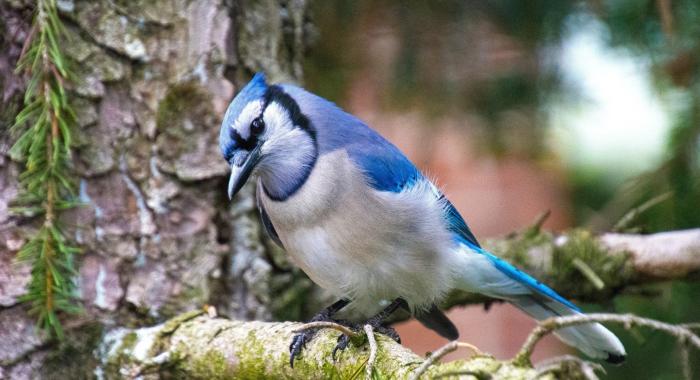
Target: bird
362, 221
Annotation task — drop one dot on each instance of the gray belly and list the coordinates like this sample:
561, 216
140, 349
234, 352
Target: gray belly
364, 244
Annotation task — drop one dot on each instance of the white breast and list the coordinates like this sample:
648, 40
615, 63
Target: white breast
361, 243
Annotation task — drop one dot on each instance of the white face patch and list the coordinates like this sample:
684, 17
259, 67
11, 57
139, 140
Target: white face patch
249, 113
282, 138
277, 121
278, 125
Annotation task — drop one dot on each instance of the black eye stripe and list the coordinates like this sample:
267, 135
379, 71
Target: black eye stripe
247, 144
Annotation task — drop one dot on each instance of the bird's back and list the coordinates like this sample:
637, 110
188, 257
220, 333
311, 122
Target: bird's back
386, 166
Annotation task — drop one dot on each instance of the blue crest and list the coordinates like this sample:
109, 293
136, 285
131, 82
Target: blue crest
255, 89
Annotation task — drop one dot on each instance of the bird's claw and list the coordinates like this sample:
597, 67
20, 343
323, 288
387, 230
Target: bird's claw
304, 336
298, 344
343, 342
388, 331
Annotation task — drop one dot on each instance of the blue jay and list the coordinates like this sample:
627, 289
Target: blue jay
362, 221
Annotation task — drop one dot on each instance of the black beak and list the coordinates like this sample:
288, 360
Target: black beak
240, 174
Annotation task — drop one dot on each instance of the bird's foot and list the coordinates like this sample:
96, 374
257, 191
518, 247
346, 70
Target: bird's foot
299, 342
377, 326
300, 339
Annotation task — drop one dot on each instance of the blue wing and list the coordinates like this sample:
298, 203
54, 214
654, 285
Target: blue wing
458, 225
389, 170
385, 166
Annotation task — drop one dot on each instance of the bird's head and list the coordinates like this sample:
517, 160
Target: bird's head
264, 131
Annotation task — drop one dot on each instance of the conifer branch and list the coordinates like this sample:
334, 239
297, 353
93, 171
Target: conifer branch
44, 128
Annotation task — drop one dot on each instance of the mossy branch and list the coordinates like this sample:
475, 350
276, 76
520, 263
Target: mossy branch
200, 346
44, 130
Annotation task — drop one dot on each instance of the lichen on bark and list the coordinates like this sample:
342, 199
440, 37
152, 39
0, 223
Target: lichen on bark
216, 348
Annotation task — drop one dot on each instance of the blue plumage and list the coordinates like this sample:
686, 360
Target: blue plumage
387, 168
254, 90
523, 278
457, 224
362, 221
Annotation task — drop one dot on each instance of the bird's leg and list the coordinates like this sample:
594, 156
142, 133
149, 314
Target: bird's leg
377, 323
326, 315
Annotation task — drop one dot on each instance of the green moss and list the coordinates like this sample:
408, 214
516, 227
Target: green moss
254, 348
161, 344
128, 342
614, 269
212, 365
516, 247
74, 357
122, 354
183, 101
170, 326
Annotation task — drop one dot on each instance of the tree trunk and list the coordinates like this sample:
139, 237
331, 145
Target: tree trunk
158, 234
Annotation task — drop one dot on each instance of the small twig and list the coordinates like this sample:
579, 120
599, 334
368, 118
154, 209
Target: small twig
539, 222
586, 368
685, 362
691, 326
372, 351
536, 227
632, 214
666, 14
330, 325
683, 334
437, 355
589, 273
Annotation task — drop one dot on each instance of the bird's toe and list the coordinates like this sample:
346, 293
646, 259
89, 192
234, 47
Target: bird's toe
388, 331
298, 343
343, 342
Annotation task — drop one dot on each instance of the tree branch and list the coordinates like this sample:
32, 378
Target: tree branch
201, 346
198, 346
662, 256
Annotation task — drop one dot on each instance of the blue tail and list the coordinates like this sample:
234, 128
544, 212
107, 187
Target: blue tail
483, 272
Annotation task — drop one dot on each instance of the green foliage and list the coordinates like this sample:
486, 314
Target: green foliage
44, 129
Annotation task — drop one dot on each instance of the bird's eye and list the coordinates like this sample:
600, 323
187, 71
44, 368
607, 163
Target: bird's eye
257, 126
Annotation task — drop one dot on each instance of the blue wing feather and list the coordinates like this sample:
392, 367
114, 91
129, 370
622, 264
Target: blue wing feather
385, 166
458, 225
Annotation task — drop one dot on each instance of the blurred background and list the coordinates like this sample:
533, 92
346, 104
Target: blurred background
586, 109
